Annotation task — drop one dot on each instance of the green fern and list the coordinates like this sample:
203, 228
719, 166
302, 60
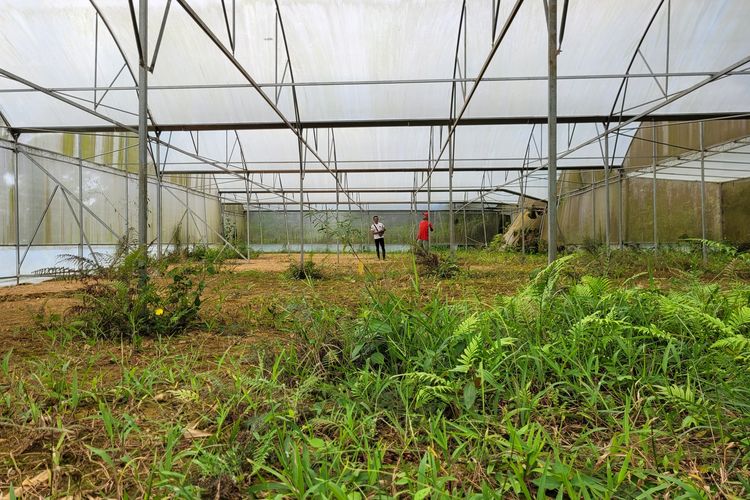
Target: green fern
466, 326
736, 344
739, 319
469, 355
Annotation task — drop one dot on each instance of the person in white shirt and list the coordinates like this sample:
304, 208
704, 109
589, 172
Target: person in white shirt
378, 229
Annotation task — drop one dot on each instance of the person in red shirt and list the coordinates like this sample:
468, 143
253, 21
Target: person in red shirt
423, 235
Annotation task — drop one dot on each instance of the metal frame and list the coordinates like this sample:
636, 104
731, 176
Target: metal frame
615, 124
77, 209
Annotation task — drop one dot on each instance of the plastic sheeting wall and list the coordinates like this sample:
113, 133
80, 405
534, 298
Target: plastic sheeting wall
678, 207
52, 189
276, 231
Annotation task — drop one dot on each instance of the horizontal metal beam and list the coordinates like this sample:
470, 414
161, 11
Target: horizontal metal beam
377, 170
342, 206
394, 122
357, 83
476, 189
398, 190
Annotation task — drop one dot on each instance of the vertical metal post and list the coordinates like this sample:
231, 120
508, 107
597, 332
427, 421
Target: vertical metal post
593, 205
606, 191
286, 217
466, 233
338, 183
143, 133
260, 221
484, 224
484, 221
552, 132
704, 249
158, 200
451, 224
620, 215
247, 232
301, 206
523, 182
205, 207
429, 189
653, 184
187, 214
247, 216
127, 203
18, 210
80, 199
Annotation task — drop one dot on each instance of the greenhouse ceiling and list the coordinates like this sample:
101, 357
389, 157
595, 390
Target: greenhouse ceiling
376, 87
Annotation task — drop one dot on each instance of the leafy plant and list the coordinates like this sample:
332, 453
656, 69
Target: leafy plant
308, 270
433, 264
129, 306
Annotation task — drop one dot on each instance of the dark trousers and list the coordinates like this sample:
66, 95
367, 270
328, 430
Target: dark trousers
380, 243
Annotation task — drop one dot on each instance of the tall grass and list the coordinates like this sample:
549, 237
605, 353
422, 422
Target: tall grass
569, 389
574, 387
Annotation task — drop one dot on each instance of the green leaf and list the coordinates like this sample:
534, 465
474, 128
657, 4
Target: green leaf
102, 454
419, 495
377, 359
317, 443
470, 395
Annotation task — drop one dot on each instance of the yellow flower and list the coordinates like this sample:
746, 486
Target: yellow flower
158, 311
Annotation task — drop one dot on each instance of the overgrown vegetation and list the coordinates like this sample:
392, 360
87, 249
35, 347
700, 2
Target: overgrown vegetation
124, 304
214, 256
578, 385
304, 271
430, 263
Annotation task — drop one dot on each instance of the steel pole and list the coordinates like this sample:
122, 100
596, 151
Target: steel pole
466, 234
205, 209
80, 199
158, 202
484, 225
187, 215
620, 214
301, 206
247, 217
606, 193
653, 183
429, 190
704, 249
552, 132
127, 205
451, 224
143, 134
593, 206
18, 210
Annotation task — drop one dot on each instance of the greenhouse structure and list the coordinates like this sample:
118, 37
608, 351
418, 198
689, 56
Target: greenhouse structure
263, 109
524, 131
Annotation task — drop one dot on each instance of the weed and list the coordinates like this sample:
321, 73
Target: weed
128, 306
308, 270
434, 264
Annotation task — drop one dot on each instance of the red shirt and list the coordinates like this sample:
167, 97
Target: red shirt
425, 227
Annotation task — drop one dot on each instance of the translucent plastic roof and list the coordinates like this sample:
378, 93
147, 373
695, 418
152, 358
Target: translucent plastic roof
376, 66
721, 163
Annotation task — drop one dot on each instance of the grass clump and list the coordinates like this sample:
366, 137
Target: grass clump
128, 305
574, 386
570, 388
307, 270
433, 264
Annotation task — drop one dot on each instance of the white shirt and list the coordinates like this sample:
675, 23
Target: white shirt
375, 229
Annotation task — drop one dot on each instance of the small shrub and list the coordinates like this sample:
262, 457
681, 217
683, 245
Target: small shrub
308, 270
207, 253
125, 305
431, 263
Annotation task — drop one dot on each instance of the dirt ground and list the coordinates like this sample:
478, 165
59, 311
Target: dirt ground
246, 309
242, 286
